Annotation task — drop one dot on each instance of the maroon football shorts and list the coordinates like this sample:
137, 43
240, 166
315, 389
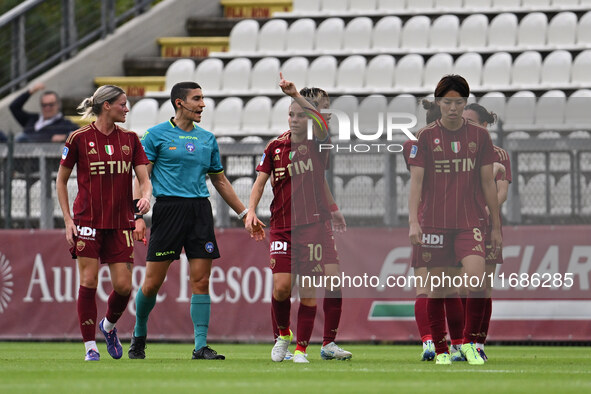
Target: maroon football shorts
303, 249
110, 246
447, 247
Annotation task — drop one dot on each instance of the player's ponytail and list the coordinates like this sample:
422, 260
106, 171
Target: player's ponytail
433, 110
483, 114
94, 105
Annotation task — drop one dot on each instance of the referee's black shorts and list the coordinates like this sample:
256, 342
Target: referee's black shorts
179, 222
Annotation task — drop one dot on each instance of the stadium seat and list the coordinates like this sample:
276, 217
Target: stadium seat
369, 111
444, 32
415, 33
179, 71
329, 35
346, 103
351, 73
208, 75
322, 72
478, 4
386, 33
406, 104
295, 69
362, 6
419, 5
391, 5
335, 6
556, 68
300, 36
469, 65
562, 30
497, 71
256, 115
535, 4
357, 34
244, 36
577, 109
379, 74
265, 76
208, 114
550, 109
448, 4
272, 36
143, 115
532, 30
549, 135
502, 31
225, 140
438, 65
584, 29
252, 139
228, 116
519, 112
580, 74
306, 6
279, 115
526, 69
236, 75
473, 32
165, 112
494, 102
504, 4
409, 72
579, 134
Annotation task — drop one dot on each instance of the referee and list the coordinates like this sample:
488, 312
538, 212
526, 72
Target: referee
181, 154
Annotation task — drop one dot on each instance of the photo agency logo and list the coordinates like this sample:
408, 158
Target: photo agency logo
363, 132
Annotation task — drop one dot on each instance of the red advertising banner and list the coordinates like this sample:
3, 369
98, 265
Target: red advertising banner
541, 292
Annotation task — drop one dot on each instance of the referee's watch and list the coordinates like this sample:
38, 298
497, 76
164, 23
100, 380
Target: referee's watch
137, 216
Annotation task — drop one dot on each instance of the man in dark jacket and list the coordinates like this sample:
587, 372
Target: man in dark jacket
49, 126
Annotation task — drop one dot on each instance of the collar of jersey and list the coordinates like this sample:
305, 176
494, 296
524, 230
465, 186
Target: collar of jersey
171, 121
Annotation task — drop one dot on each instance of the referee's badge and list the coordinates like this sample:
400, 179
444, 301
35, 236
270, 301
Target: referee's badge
190, 147
209, 248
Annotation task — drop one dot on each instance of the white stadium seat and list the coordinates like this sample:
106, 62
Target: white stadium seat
444, 32
550, 109
562, 29
265, 75
556, 68
580, 74
358, 34
165, 112
578, 114
143, 115
179, 71
437, 66
469, 65
295, 69
272, 36
208, 114
300, 36
346, 103
208, 74
496, 72
502, 31
519, 113
256, 115
409, 72
351, 73
329, 35
386, 33
236, 75
380, 72
322, 72
494, 102
406, 104
473, 31
584, 29
526, 69
369, 110
415, 33
228, 116
279, 115
532, 30
244, 35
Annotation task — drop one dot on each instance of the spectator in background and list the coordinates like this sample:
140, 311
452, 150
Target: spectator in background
48, 126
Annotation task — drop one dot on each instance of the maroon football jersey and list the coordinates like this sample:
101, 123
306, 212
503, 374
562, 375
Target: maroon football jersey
104, 167
452, 194
297, 178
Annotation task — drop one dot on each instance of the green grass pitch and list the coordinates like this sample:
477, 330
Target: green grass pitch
59, 368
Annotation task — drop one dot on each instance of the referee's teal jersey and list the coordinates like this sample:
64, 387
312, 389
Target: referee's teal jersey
181, 160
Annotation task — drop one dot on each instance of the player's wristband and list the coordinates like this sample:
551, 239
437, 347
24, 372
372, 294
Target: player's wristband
242, 214
137, 216
334, 207
135, 208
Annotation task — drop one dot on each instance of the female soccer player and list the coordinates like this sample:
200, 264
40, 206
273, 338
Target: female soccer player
478, 114
451, 175
301, 235
181, 154
104, 155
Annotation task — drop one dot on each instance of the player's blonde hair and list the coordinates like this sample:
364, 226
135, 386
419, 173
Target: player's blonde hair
94, 105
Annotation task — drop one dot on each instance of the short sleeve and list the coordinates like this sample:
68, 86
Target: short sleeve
265, 163
216, 162
418, 151
70, 153
487, 152
406, 152
148, 144
139, 156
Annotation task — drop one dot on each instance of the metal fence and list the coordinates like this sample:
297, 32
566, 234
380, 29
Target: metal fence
38, 34
551, 184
